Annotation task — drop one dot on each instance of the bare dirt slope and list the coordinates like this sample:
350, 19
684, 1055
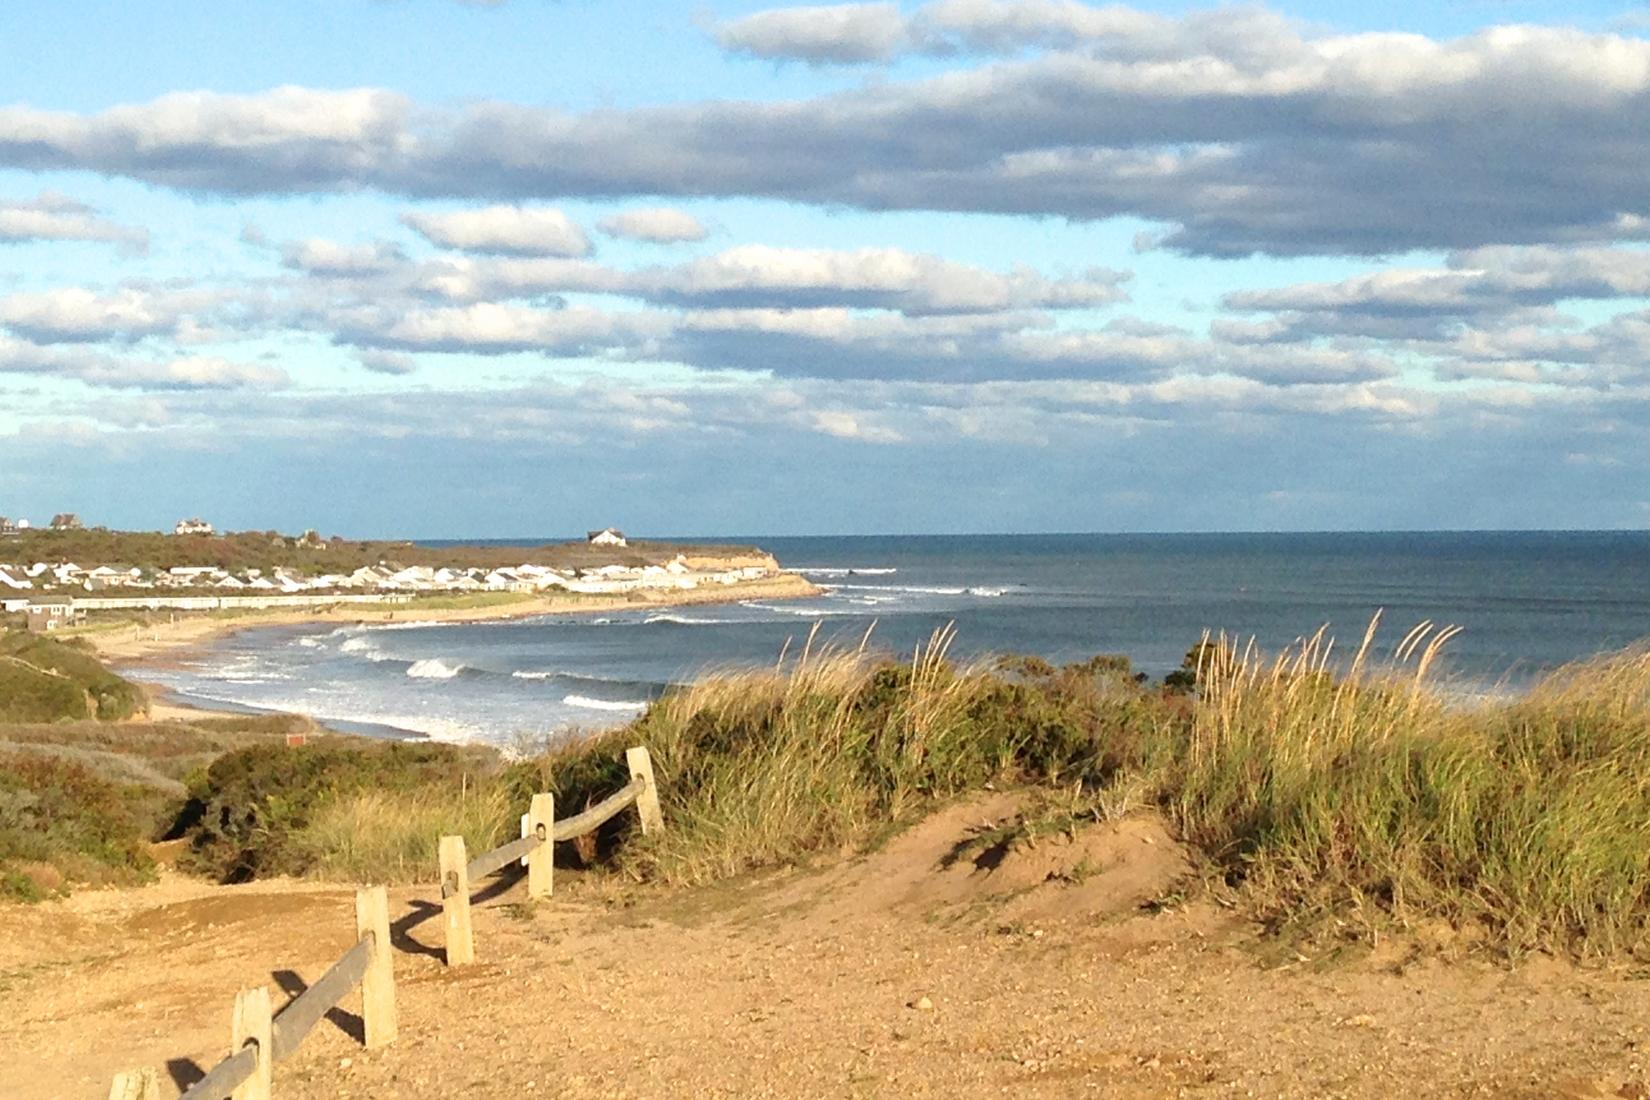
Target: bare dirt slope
944, 965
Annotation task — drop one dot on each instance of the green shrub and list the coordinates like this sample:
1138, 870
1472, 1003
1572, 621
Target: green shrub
45, 679
249, 809
57, 812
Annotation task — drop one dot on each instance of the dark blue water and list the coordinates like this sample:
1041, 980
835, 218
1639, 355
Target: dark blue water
1527, 601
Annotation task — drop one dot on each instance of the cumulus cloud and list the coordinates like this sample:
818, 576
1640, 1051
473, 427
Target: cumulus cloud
495, 328
503, 230
1239, 134
658, 224
54, 217
833, 33
322, 257
102, 370
762, 275
77, 315
386, 362
1490, 304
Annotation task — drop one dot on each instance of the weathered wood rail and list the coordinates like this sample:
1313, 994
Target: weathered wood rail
540, 830
260, 1039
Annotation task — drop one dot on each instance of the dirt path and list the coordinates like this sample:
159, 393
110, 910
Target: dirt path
933, 968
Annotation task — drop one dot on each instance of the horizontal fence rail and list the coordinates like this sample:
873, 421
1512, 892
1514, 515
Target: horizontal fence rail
540, 830
299, 1018
225, 1077
259, 1039
601, 813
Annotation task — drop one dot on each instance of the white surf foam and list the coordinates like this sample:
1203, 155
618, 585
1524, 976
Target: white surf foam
588, 703
838, 571
434, 668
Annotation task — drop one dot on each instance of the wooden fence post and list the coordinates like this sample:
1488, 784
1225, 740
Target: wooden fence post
647, 803
252, 1024
372, 918
541, 861
135, 1084
455, 902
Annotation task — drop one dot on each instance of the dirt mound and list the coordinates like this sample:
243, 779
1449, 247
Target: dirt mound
997, 859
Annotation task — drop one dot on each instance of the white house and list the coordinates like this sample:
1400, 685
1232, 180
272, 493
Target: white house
607, 536
192, 526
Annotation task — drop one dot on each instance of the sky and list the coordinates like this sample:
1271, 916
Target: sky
460, 268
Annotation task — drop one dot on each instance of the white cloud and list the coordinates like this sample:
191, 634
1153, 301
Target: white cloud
845, 425
1237, 131
386, 362
658, 224
496, 328
323, 257
763, 275
54, 217
76, 314
504, 230
97, 369
821, 34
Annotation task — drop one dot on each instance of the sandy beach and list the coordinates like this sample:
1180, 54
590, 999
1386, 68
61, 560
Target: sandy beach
142, 642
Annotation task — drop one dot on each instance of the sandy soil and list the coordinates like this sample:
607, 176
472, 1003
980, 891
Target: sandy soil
137, 643
932, 968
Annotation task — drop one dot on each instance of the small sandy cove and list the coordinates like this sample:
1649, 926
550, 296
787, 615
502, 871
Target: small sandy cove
151, 641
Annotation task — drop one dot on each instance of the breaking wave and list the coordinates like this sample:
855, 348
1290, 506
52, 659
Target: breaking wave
587, 703
838, 571
434, 668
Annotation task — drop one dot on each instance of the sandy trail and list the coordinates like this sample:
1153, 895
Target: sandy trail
1039, 983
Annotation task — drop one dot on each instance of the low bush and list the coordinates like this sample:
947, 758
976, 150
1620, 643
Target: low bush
266, 810
58, 814
43, 679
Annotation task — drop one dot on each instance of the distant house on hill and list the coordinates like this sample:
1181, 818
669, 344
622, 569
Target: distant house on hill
193, 526
66, 521
48, 613
607, 536
7, 527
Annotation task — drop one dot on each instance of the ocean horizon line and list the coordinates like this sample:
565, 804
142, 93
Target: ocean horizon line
746, 537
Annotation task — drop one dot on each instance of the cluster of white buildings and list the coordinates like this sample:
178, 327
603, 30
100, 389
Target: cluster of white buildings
19, 582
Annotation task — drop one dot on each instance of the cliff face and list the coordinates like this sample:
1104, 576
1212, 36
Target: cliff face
753, 559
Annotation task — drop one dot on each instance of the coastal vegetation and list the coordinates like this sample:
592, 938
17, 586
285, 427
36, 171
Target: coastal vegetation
1354, 797
82, 801
269, 550
43, 679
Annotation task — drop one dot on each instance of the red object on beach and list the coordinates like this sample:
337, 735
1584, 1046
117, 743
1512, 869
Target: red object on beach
293, 740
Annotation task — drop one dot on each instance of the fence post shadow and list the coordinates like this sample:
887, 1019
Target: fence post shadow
290, 983
401, 937
184, 1072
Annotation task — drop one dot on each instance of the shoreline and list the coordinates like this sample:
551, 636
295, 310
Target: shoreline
142, 643
130, 649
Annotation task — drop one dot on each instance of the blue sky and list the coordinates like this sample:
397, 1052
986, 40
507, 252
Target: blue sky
446, 269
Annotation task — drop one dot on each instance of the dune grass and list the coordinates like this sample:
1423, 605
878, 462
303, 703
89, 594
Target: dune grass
1354, 791
1364, 795
391, 836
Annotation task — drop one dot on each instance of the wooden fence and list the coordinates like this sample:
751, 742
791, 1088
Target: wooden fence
259, 1039
539, 832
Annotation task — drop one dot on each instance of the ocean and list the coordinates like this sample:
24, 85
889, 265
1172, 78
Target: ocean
1527, 601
